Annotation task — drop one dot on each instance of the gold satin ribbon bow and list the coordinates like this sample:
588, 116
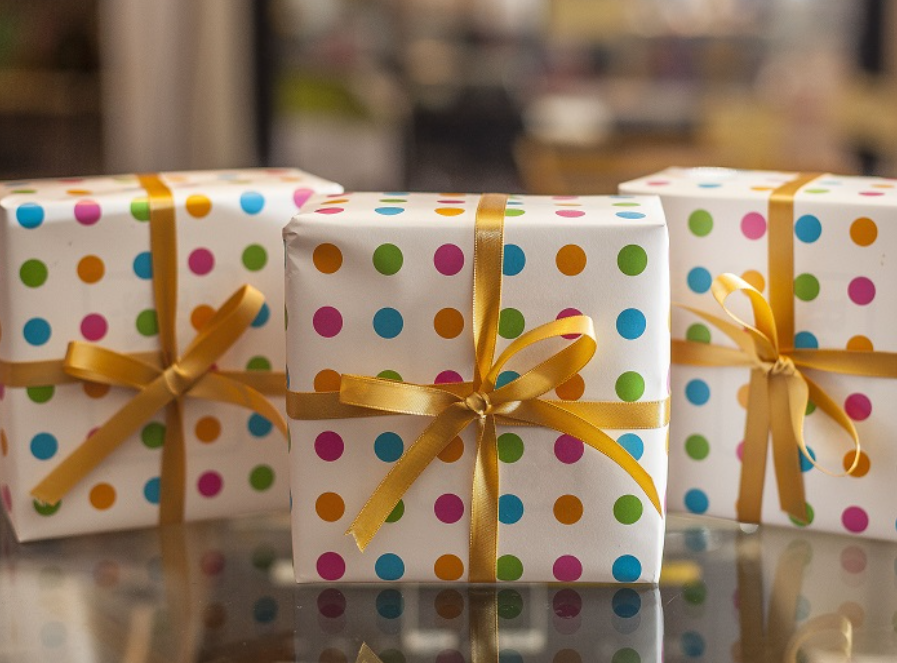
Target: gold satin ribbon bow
779, 391
163, 379
456, 406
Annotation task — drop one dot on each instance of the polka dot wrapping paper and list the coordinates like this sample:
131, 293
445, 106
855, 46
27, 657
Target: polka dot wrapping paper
845, 230
380, 284
77, 267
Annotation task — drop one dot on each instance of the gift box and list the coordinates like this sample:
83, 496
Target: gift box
103, 277
811, 252
385, 294
527, 623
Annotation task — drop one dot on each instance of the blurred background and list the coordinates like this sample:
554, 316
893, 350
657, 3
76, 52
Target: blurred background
559, 96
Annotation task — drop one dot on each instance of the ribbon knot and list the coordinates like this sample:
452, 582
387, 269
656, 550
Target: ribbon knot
478, 402
177, 380
781, 366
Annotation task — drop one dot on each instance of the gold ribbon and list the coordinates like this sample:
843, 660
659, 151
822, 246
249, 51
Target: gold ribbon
482, 403
778, 392
162, 379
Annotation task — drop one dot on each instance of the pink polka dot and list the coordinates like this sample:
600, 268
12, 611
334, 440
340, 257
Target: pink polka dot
657, 182
300, 196
739, 450
329, 210
331, 566
327, 321
210, 484
853, 559
94, 327
858, 407
212, 563
568, 313
201, 262
568, 449
447, 377
567, 568
329, 446
570, 213
861, 291
567, 603
855, 519
872, 193
448, 259
448, 508
331, 603
7, 497
450, 656
87, 212
451, 201
753, 225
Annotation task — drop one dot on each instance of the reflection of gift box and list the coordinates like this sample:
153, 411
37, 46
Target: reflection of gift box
380, 285
837, 296
83, 261
426, 624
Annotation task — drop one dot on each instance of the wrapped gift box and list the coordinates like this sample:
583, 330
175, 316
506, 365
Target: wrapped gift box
77, 267
845, 230
379, 284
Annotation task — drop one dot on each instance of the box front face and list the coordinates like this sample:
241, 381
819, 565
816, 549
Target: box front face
79, 269
844, 230
380, 284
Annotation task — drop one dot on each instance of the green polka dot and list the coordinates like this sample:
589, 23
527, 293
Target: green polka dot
396, 514
628, 509
140, 209
286, 318
147, 324
510, 447
698, 333
41, 394
627, 204
254, 257
24, 191
261, 478
33, 273
46, 509
258, 363
811, 408
810, 515
630, 386
153, 435
392, 656
626, 655
511, 323
510, 604
388, 259
390, 374
816, 190
263, 557
514, 211
509, 568
632, 260
695, 592
806, 287
700, 222
697, 447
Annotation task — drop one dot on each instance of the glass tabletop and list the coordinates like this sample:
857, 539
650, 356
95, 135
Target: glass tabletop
224, 591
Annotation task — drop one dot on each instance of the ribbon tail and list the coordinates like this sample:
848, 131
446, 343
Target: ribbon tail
837, 627
786, 589
483, 619
752, 639
173, 475
484, 506
216, 387
788, 403
825, 403
754, 451
367, 655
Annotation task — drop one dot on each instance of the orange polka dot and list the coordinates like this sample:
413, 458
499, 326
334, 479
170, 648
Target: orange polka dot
449, 604
755, 278
448, 322
860, 342
567, 656
201, 315
882, 186
214, 616
95, 389
863, 465
327, 380
571, 260
762, 188
4, 443
854, 613
91, 269
449, 211
567, 509
863, 231
102, 496
572, 389
78, 192
327, 258
208, 429
743, 392
198, 205
453, 451
448, 567
330, 507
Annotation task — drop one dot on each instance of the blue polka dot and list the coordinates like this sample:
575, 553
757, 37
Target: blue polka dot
252, 202
395, 193
631, 323
388, 323
390, 604
802, 610
697, 392
710, 185
143, 265
389, 567
389, 447
514, 260
389, 211
509, 656
696, 539
44, 446
808, 229
633, 444
626, 568
259, 426
696, 501
630, 215
626, 603
805, 464
265, 610
699, 280
30, 215
262, 316
151, 491
36, 331
505, 377
510, 509
805, 339
692, 644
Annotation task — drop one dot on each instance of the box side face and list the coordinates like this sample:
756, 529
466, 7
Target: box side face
411, 316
